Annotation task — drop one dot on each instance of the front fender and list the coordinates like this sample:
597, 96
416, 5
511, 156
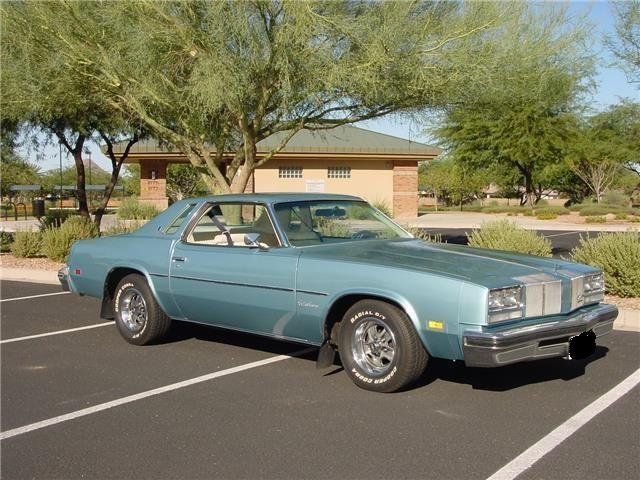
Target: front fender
429, 343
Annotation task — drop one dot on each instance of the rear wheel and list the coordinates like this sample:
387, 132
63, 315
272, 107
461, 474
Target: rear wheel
139, 318
379, 348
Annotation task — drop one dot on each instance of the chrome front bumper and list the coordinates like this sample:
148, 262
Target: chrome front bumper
494, 349
63, 278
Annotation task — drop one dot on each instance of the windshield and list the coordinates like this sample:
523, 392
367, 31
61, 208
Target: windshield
322, 221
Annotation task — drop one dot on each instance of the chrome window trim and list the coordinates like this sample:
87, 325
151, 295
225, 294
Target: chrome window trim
289, 244
207, 205
191, 206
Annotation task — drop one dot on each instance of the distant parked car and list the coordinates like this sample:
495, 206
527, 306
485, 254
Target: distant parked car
332, 271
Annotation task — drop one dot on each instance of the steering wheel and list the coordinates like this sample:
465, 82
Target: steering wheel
363, 235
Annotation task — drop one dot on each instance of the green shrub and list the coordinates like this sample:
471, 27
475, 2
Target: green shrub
422, 235
121, 227
56, 242
579, 206
55, 218
597, 219
555, 210
506, 235
6, 240
27, 244
132, 209
359, 212
383, 206
603, 209
634, 220
500, 209
470, 208
546, 216
618, 255
329, 227
621, 216
616, 198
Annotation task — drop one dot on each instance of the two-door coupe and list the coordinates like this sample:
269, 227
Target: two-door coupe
332, 271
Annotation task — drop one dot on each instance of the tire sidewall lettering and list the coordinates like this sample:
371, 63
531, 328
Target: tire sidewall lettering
121, 290
374, 381
354, 320
365, 313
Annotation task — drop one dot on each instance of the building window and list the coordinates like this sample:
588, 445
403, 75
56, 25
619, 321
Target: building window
339, 172
290, 172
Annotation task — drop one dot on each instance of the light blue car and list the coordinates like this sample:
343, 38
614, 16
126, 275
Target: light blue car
332, 271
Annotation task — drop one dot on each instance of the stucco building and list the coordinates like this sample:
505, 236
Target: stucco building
346, 159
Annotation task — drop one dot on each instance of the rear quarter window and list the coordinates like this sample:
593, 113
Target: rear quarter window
178, 221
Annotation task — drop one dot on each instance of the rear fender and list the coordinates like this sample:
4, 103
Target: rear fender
120, 271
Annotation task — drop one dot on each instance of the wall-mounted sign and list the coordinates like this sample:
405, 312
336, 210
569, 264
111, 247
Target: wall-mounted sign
314, 186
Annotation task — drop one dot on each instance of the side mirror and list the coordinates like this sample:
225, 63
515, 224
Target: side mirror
253, 240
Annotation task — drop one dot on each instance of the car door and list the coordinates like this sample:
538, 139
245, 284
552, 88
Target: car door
217, 279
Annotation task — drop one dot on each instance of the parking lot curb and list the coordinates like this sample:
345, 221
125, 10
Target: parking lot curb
628, 319
29, 275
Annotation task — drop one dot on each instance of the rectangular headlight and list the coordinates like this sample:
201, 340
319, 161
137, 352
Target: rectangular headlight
593, 288
594, 284
587, 289
505, 304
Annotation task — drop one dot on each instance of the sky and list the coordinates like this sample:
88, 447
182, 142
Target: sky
611, 86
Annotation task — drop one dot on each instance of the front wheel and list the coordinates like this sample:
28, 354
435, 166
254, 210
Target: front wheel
139, 318
379, 348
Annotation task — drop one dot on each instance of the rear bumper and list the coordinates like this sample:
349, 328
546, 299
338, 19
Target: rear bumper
494, 349
63, 278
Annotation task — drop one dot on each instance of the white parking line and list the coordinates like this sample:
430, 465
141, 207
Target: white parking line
149, 393
33, 296
534, 453
57, 332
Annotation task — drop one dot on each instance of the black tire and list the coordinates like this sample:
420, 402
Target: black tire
379, 347
139, 318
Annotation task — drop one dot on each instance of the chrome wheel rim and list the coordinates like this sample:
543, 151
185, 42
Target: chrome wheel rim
373, 346
133, 310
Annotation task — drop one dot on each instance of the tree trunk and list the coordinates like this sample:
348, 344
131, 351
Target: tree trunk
81, 192
529, 188
107, 195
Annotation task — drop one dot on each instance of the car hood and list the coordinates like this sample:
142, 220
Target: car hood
490, 268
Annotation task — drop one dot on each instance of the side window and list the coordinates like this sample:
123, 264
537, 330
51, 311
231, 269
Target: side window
179, 220
226, 225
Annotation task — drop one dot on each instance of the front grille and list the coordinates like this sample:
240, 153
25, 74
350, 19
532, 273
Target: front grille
543, 295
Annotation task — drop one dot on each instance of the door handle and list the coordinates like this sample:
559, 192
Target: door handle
178, 259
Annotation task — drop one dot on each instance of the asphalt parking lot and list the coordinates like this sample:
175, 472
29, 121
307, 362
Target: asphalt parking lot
210, 404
